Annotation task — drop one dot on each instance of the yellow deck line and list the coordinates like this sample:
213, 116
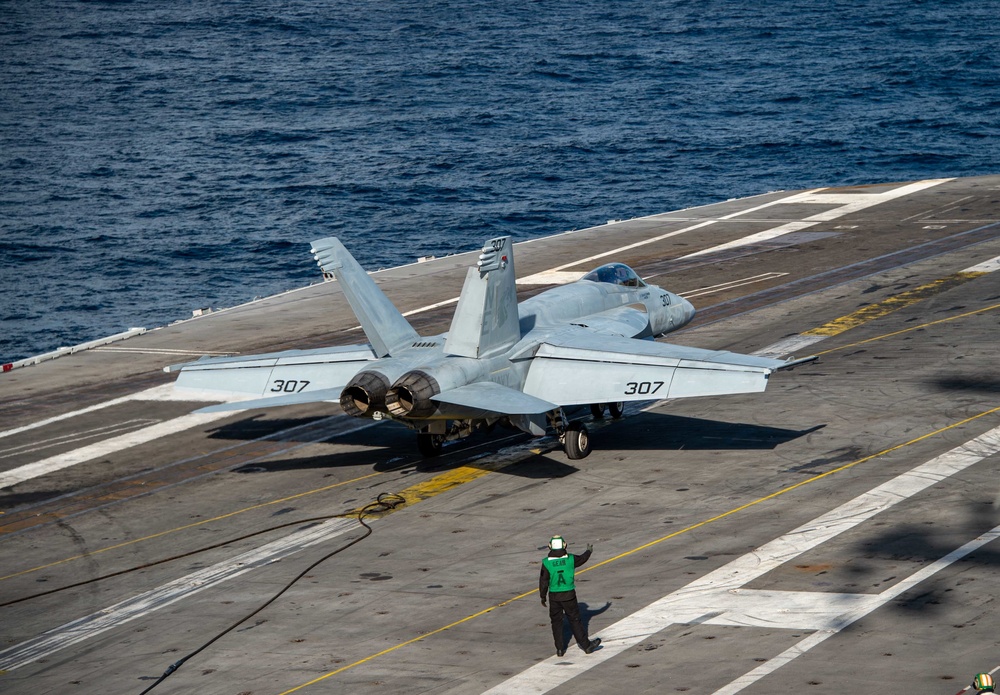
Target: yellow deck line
892, 304
434, 486
992, 307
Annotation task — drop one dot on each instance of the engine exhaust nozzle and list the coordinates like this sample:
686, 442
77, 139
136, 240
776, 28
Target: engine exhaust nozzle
410, 396
364, 394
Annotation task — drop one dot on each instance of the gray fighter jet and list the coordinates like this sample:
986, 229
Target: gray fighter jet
524, 365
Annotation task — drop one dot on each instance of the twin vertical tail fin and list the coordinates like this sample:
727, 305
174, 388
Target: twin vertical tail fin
387, 330
486, 321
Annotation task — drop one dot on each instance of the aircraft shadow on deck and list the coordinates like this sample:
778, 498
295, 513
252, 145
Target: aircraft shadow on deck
391, 447
877, 563
983, 383
394, 448
258, 426
649, 431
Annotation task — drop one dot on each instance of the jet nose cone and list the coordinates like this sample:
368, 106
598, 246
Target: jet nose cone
689, 310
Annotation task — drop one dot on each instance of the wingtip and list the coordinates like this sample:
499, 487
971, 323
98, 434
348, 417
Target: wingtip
795, 362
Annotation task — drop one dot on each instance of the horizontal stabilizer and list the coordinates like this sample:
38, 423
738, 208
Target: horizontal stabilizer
494, 398
318, 396
576, 367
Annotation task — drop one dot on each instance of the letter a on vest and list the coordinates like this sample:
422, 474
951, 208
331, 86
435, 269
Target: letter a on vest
561, 571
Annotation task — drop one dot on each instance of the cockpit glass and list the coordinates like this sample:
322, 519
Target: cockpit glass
616, 274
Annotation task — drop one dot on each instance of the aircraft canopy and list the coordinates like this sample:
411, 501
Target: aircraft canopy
616, 274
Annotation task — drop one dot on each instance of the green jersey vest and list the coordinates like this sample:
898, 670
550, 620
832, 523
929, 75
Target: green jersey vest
561, 570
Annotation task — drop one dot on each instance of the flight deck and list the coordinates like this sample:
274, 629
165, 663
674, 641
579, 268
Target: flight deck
838, 532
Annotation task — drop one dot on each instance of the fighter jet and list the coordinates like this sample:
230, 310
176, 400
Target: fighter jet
589, 343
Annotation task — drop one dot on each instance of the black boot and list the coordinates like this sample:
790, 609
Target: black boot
594, 644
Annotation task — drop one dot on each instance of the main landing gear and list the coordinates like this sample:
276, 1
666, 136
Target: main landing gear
573, 436
432, 436
616, 410
430, 444
576, 441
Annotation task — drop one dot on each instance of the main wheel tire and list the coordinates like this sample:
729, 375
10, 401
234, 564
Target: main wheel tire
597, 410
430, 444
616, 409
577, 441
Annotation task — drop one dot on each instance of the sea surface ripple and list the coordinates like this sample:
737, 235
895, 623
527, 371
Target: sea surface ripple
157, 157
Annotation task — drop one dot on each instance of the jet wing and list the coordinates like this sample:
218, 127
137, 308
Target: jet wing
575, 367
494, 398
277, 375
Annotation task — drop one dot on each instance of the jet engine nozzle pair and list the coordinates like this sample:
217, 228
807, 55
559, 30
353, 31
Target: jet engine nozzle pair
409, 397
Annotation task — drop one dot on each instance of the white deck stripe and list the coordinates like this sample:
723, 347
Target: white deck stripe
701, 597
138, 606
653, 240
854, 203
108, 446
703, 291
788, 346
989, 266
66, 416
157, 393
552, 277
766, 235
157, 351
75, 437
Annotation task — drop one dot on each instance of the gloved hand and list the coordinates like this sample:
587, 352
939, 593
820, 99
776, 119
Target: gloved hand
590, 547
543, 602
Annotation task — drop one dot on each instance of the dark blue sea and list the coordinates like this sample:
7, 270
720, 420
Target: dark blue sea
161, 156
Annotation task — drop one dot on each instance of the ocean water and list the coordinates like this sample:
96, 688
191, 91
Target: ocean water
157, 157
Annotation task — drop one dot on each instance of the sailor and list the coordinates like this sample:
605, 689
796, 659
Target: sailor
983, 683
556, 582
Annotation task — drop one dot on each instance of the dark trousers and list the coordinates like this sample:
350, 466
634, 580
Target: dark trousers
569, 606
